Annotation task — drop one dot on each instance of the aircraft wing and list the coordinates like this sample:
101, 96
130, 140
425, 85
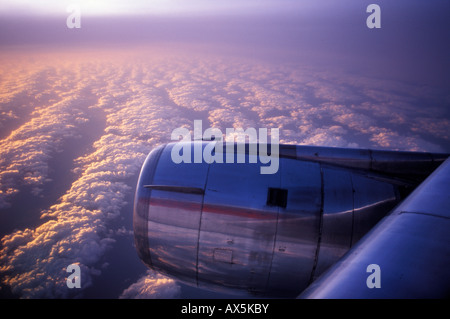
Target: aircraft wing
406, 255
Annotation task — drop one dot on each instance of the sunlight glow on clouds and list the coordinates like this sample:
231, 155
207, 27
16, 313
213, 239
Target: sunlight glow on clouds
152, 286
52, 99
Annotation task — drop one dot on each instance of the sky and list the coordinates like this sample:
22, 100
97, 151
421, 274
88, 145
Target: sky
80, 109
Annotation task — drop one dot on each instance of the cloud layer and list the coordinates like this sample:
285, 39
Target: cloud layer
49, 106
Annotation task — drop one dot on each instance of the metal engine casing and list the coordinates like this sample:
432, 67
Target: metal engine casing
226, 226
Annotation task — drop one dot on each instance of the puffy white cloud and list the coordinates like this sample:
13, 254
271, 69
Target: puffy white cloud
152, 286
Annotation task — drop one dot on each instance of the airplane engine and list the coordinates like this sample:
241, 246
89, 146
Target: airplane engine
227, 226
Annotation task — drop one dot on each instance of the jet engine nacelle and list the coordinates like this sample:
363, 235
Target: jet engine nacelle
227, 226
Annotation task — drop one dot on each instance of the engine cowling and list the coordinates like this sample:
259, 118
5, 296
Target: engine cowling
226, 226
